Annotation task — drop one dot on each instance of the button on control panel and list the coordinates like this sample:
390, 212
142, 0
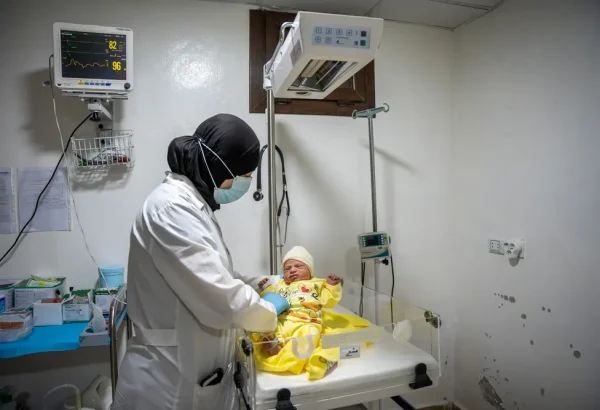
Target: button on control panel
341, 36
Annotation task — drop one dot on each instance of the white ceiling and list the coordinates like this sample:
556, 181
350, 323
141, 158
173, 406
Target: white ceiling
441, 13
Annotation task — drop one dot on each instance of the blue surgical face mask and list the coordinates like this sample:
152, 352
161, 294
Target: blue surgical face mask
239, 187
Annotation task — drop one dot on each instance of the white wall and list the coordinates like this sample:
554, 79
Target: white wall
525, 164
192, 62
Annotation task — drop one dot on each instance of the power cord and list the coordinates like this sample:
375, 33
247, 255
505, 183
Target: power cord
362, 283
392, 292
362, 287
62, 143
37, 202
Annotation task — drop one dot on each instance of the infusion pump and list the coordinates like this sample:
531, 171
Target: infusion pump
374, 246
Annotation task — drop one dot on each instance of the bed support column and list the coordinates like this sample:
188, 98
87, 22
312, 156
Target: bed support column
284, 401
402, 403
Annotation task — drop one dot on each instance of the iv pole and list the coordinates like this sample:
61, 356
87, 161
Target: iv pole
271, 152
370, 114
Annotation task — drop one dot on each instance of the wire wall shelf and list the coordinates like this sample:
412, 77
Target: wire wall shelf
107, 149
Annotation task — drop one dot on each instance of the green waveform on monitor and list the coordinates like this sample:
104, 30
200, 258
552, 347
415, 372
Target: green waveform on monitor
74, 62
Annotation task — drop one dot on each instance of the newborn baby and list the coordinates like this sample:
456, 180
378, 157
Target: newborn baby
307, 296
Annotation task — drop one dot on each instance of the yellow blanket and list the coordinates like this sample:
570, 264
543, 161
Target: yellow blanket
321, 361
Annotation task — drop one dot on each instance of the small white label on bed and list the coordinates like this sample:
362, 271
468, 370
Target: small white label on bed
349, 352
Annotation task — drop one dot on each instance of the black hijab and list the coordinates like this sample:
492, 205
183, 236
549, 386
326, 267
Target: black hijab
230, 138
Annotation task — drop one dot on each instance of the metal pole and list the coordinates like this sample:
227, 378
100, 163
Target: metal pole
271, 148
272, 183
129, 328
373, 186
117, 306
374, 213
112, 334
129, 325
370, 114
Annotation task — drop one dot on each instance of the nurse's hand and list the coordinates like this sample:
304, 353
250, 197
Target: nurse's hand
281, 304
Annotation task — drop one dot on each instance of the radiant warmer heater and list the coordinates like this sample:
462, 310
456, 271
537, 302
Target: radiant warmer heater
320, 52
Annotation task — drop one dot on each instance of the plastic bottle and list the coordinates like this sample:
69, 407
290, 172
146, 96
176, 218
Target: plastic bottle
98, 322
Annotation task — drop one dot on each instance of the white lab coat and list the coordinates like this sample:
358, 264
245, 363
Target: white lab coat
185, 301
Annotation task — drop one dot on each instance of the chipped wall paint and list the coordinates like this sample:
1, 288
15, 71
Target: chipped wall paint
525, 162
489, 394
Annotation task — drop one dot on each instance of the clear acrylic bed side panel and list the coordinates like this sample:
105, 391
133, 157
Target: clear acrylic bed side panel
406, 322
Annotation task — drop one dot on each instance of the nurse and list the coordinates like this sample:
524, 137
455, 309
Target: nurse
184, 298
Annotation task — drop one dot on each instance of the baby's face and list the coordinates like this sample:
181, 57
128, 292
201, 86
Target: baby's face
294, 271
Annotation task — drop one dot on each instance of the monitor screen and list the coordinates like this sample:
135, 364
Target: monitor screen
372, 240
91, 55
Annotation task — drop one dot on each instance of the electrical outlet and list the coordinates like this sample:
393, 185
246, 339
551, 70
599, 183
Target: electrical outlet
495, 246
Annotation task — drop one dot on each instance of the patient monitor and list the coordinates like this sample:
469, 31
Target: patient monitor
93, 60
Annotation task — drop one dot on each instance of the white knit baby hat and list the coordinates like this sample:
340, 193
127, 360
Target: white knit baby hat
299, 253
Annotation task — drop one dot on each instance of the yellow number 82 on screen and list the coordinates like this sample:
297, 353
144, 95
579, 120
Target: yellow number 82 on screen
116, 66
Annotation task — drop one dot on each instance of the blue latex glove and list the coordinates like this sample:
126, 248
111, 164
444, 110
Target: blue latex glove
281, 304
